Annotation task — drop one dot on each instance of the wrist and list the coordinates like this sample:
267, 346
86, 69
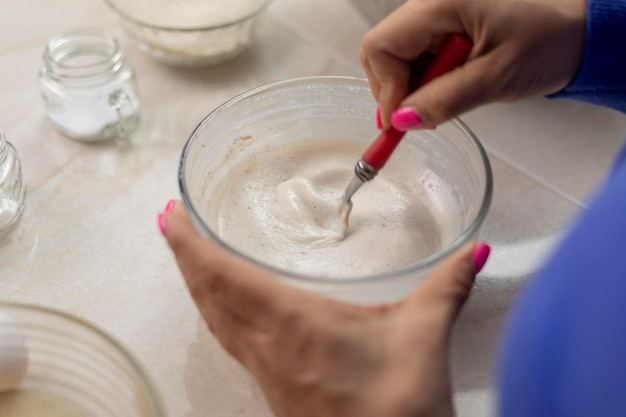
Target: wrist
602, 64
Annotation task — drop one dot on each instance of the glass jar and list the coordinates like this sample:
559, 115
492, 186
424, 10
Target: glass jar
88, 87
12, 191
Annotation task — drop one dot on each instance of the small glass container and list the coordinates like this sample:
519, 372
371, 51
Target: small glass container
12, 191
88, 87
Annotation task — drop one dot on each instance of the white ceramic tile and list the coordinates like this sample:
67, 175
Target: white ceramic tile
333, 24
29, 23
479, 403
565, 144
523, 221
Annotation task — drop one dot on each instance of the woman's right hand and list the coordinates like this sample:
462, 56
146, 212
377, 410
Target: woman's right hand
521, 48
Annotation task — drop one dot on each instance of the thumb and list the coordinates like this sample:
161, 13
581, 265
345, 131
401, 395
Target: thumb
192, 251
462, 89
447, 287
218, 281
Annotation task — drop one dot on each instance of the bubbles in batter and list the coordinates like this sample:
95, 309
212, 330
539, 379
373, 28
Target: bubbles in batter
281, 206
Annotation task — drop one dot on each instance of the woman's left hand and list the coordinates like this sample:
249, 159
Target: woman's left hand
315, 356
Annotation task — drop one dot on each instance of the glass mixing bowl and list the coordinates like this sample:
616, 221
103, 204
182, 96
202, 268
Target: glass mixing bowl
73, 368
331, 108
191, 33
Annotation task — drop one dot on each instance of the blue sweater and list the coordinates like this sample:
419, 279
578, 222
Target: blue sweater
564, 351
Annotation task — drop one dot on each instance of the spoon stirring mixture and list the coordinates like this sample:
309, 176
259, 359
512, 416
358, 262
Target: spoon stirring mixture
454, 52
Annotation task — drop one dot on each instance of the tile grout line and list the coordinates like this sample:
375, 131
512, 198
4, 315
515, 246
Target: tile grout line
535, 178
57, 171
308, 37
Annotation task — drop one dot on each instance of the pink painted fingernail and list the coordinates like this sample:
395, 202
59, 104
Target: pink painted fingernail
405, 118
161, 222
481, 253
169, 206
379, 123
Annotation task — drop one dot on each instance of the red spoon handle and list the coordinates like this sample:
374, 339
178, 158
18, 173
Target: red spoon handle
454, 52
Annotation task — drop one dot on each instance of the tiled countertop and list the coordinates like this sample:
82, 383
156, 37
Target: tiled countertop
88, 242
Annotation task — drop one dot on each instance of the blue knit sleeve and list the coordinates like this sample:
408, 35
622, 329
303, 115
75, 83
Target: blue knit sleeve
601, 78
564, 348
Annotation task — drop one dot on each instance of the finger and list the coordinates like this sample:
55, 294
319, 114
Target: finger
412, 29
371, 78
234, 332
447, 287
391, 47
220, 281
462, 89
393, 76
388, 75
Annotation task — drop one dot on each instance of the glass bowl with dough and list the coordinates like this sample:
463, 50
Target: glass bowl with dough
191, 33
54, 364
259, 174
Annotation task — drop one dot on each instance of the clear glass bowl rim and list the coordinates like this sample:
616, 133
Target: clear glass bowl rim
154, 396
138, 22
461, 239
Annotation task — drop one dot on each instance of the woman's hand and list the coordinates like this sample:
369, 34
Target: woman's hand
318, 357
521, 48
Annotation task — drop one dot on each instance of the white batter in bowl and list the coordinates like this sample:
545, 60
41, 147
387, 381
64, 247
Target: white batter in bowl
277, 206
